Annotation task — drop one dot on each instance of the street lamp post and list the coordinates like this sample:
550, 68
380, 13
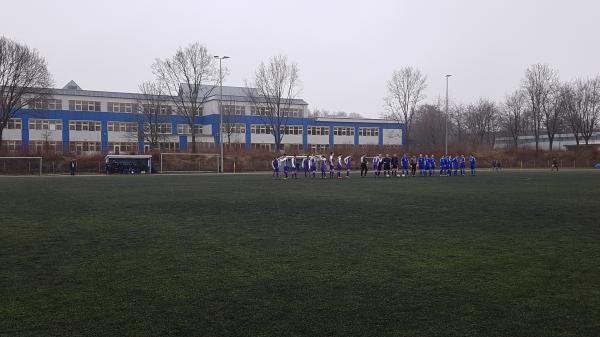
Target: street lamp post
446, 136
221, 58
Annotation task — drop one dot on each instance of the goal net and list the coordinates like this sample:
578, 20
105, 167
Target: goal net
189, 162
21, 165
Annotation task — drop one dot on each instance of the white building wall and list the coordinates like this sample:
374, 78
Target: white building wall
12, 134
122, 137
392, 137
318, 139
48, 135
343, 140
84, 136
262, 139
368, 140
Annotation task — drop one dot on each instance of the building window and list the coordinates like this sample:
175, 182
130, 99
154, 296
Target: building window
161, 128
120, 107
237, 110
170, 146
39, 146
84, 126
233, 128
266, 147
131, 127
318, 130
368, 132
184, 129
81, 147
77, 105
12, 145
292, 130
292, 112
45, 124
196, 111
159, 109
314, 148
260, 111
261, 129
14, 124
120, 147
46, 104
339, 131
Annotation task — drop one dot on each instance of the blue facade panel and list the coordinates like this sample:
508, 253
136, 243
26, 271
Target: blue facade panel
213, 120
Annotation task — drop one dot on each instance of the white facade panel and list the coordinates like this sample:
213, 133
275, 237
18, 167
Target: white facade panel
84, 136
392, 137
368, 140
122, 137
318, 139
47, 135
343, 140
12, 134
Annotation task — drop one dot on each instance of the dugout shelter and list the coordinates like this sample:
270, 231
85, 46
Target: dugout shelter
128, 164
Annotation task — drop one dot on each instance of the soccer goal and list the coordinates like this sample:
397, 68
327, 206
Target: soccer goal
21, 165
189, 163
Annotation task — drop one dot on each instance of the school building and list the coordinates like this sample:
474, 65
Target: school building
73, 120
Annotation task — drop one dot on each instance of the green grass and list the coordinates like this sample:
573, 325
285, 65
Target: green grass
510, 254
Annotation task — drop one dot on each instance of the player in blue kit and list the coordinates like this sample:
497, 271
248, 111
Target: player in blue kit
473, 163
427, 163
395, 164
293, 164
338, 166
455, 165
421, 162
405, 161
323, 168
286, 167
305, 166
348, 163
461, 164
275, 166
331, 165
432, 165
313, 166
376, 165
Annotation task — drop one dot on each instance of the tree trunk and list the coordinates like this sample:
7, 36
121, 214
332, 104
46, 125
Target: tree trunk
193, 140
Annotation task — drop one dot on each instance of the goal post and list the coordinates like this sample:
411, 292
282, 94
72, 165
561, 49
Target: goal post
21, 165
173, 162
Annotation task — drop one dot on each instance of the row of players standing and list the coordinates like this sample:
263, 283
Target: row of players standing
426, 165
310, 163
387, 165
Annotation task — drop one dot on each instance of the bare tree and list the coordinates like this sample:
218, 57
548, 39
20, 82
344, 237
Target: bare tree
590, 116
428, 125
153, 109
481, 119
405, 92
539, 83
275, 86
189, 78
457, 122
515, 115
573, 100
24, 78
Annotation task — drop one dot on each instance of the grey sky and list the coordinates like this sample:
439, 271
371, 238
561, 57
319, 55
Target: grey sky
346, 50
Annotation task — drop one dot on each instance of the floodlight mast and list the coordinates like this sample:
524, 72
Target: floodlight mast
221, 58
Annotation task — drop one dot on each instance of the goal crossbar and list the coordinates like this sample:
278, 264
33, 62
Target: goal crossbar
38, 158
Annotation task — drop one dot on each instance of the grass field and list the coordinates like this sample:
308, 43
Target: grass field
510, 254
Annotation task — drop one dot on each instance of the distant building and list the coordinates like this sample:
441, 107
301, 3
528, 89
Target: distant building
85, 121
561, 141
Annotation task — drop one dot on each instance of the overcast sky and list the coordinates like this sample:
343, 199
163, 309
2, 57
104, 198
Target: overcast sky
346, 50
